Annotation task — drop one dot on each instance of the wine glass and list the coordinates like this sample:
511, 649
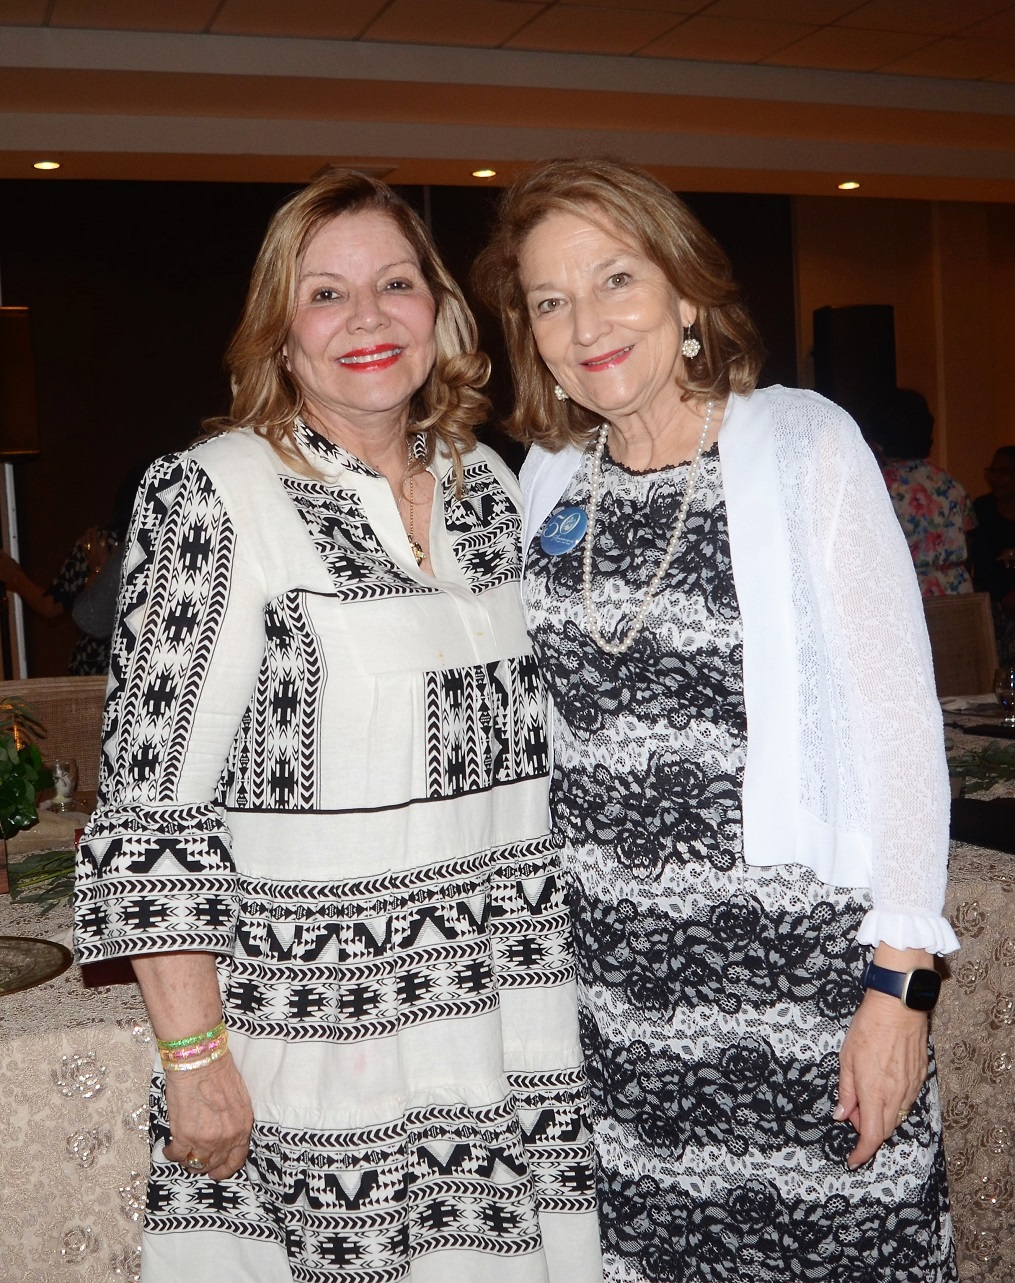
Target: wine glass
65, 781
1004, 689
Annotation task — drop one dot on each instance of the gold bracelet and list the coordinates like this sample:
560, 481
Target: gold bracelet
182, 1067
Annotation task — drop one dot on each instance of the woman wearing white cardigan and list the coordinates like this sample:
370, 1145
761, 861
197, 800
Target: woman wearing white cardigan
749, 785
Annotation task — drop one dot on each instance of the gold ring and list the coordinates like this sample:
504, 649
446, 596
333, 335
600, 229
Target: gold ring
194, 1164
901, 1117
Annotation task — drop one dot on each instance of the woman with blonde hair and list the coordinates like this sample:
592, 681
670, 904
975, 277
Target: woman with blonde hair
749, 785
321, 832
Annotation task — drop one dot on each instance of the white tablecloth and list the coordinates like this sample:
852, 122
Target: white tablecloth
74, 1069
974, 1035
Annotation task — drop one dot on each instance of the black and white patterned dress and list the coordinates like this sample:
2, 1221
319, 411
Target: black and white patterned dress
329, 769
90, 656
713, 999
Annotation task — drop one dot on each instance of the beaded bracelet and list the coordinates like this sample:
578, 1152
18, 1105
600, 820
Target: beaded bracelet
176, 1067
176, 1043
181, 1054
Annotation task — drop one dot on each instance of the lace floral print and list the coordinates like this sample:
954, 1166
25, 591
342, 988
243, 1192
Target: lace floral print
714, 1000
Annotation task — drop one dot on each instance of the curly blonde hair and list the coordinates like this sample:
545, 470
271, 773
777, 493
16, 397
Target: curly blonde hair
667, 233
268, 399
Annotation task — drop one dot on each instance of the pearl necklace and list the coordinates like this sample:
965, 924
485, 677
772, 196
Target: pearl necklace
595, 481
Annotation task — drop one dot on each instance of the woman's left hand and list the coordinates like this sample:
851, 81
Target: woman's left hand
882, 1066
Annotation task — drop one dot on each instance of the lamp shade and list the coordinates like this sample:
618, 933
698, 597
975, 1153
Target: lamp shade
19, 411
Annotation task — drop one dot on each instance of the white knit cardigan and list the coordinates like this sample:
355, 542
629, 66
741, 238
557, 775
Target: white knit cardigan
845, 768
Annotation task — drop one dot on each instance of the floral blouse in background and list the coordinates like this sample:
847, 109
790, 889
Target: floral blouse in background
936, 514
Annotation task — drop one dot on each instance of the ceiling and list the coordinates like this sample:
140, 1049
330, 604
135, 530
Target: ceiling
909, 97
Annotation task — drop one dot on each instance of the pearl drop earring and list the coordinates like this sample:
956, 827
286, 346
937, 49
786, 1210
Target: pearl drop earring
690, 346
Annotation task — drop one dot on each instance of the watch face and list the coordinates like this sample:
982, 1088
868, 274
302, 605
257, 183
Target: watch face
922, 990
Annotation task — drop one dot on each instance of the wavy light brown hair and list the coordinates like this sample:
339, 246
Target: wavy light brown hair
268, 399
659, 224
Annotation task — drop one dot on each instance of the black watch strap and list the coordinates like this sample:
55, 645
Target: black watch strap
917, 989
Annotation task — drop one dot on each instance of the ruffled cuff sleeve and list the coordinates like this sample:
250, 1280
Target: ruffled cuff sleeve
908, 931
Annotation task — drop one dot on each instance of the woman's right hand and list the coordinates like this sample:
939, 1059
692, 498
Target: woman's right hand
209, 1117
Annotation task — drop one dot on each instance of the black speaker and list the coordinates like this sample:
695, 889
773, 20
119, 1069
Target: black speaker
854, 354
19, 412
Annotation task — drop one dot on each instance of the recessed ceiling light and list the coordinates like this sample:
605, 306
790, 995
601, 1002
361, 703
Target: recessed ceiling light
484, 173
46, 164
850, 185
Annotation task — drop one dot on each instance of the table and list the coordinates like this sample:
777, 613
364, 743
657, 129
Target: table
74, 1069
75, 1065
974, 1036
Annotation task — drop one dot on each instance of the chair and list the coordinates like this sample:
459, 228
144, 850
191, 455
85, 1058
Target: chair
961, 630
70, 710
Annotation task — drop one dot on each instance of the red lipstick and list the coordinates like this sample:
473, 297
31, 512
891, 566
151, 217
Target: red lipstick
608, 359
368, 359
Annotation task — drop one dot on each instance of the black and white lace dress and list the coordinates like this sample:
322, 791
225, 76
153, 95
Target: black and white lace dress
713, 999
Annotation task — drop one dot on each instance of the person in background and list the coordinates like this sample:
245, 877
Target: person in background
94, 609
749, 786
993, 549
933, 509
85, 565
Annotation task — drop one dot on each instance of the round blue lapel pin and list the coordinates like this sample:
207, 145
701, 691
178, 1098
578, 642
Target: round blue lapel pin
563, 531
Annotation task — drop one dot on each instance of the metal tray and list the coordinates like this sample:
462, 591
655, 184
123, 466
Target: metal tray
26, 962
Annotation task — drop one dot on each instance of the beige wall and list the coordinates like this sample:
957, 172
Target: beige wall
948, 269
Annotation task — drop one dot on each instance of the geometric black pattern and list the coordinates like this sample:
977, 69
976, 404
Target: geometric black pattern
275, 763
180, 598
358, 564
359, 1206
485, 527
483, 522
170, 885
553, 1112
272, 739
485, 725
348, 963
313, 443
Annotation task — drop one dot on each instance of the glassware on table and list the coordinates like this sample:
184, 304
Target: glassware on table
65, 781
1004, 689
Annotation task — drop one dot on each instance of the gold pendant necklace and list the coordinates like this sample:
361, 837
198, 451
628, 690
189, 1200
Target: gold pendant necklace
414, 544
